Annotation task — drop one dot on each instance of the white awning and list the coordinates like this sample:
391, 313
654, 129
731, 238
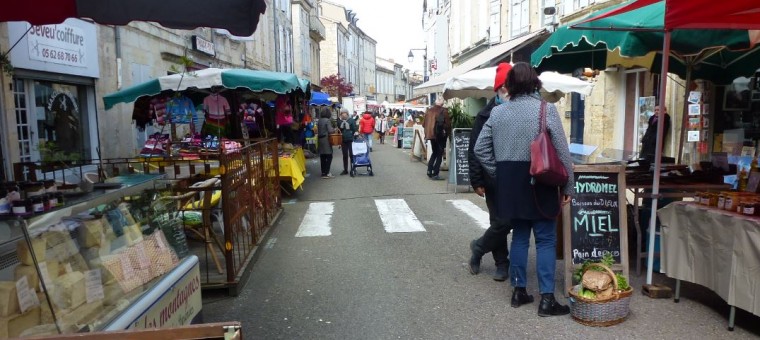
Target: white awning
435, 85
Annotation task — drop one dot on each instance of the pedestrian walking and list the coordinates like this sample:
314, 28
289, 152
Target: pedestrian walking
367, 127
324, 129
494, 240
347, 128
437, 125
503, 148
381, 126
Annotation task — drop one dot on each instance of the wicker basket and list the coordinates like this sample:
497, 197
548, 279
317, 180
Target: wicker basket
602, 312
335, 138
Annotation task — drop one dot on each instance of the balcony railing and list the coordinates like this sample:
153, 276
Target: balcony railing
316, 28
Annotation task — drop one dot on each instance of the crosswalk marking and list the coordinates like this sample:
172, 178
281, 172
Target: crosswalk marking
475, 212
316, 222
397, 217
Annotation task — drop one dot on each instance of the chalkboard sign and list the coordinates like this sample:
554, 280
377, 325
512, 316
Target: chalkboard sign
595, 219
461, 162
407, 137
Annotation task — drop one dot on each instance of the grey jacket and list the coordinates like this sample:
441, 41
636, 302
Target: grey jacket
503, 149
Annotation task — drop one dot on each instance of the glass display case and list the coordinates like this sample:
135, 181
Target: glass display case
95, 263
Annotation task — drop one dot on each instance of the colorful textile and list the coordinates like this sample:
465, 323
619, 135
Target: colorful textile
216, 106
157, 109
181, 110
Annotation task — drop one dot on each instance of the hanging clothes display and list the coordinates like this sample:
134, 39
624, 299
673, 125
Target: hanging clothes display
217, 108
157, 109
252, 118
181, 110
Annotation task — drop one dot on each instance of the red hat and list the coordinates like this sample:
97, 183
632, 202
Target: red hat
501, 75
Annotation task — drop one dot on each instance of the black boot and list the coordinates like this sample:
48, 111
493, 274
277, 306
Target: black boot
474, 264
520, 297
550, 307
501, 258
502, 272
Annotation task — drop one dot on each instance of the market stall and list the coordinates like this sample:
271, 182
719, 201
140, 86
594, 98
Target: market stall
479, 84
216, 122
716, 248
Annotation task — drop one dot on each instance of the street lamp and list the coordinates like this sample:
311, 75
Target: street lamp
424, 59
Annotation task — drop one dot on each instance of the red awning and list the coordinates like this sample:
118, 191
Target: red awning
239, 17
685, 14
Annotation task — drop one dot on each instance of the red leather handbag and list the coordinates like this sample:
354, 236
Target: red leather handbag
545, 166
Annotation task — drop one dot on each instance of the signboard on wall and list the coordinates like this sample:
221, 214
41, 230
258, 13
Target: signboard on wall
67, 48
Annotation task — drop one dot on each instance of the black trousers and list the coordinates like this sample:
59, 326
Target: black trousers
348, 155
494, 240
325, 162
434, 164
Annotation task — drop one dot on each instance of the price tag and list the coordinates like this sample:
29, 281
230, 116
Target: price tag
126, 268
68, 268
94, 286
45, 275
142, 259
24, 294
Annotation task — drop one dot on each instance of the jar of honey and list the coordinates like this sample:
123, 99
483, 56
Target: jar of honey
721, 201
747, 208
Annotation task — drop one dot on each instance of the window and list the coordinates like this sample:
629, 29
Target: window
547, 20
571, 6
53, 117
484, 13
520, 17
494, 35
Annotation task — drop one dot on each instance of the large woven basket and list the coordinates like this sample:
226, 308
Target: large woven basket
602, 312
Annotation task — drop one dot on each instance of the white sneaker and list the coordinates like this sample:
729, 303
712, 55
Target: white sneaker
328, 176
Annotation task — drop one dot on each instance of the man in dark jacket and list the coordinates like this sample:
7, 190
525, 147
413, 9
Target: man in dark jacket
437, 123
494, 240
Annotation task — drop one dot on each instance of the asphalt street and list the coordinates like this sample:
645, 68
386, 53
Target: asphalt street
363, 282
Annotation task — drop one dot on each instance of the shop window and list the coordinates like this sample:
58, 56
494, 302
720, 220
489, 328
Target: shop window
58, 121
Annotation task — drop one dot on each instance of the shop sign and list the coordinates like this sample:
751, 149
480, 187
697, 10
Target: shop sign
203, 45
177, 307
67, 48
60, 44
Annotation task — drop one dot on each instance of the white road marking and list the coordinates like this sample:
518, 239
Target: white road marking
475, 212
316, 222
397, 217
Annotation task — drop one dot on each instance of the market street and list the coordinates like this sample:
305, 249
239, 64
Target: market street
363, 282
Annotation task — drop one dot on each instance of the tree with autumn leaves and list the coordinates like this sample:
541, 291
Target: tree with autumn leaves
336, 86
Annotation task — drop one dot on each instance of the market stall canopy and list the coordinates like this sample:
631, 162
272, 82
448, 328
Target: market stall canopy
716, 55
734, 14
479, 84
490, 56
320, 99
257, 81
240, 17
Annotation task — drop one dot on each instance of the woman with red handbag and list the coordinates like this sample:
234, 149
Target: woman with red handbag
530, 199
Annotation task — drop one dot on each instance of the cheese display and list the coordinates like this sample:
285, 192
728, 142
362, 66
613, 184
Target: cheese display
25, 256
91, 233
96, 261
31, 275
60, 246
40, 330
69, 291
8, 298
12, 326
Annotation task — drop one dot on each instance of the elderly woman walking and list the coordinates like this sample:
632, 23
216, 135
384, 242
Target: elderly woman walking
324, 129
503, 149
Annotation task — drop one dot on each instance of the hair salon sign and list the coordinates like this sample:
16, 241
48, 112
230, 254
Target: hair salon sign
60, 44
67, 48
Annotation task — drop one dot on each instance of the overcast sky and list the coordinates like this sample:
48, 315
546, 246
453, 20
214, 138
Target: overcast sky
396, 25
